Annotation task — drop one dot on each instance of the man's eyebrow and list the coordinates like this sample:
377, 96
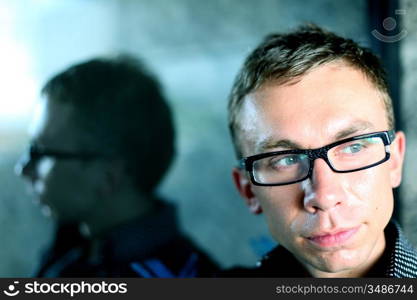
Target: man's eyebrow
356, 128
271, 144
287, 144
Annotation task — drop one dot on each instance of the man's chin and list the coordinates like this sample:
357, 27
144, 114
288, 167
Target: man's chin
337, 263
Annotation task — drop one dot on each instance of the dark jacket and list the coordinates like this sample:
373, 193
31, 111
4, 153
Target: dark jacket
148, 247
399, 260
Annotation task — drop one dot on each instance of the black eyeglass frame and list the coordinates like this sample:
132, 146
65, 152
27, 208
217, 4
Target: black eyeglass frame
37, 152
313, 154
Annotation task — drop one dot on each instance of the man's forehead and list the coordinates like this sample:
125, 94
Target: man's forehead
333, 108
53, 124
269, 143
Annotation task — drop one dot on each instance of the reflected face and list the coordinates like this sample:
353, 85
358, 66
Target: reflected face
65, 187
332, 222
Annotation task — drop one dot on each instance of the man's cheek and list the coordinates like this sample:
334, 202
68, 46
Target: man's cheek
366, 193
362, 185
279, 211
277, 226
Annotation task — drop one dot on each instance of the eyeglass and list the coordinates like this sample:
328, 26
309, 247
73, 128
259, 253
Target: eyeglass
36, 153
348, 155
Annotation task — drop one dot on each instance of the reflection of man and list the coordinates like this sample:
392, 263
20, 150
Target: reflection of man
313, 127
100, 146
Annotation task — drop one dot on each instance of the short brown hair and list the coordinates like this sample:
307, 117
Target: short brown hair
281, 58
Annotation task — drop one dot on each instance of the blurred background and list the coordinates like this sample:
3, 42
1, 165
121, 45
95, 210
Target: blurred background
195, 48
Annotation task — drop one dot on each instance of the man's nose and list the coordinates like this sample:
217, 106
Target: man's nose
324, 190
25, 167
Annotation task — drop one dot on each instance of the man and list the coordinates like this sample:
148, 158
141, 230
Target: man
313, 128
103, 141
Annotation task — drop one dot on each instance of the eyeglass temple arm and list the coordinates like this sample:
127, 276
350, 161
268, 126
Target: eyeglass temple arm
391, 135
241, 164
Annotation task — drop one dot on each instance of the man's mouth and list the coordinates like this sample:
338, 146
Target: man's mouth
334, 238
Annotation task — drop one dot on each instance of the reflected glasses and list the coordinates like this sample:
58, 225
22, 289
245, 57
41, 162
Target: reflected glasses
36, 153
348, 155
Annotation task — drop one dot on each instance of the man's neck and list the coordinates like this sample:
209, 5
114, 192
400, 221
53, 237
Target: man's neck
120, 212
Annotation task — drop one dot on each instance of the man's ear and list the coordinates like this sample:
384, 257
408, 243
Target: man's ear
397, 158
244, 186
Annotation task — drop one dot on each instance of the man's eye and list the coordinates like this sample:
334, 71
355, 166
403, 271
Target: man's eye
353, 148
286, 161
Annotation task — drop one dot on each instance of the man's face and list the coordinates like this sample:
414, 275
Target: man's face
68, 188
350, 210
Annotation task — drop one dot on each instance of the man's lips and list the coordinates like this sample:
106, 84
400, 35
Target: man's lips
334, 238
